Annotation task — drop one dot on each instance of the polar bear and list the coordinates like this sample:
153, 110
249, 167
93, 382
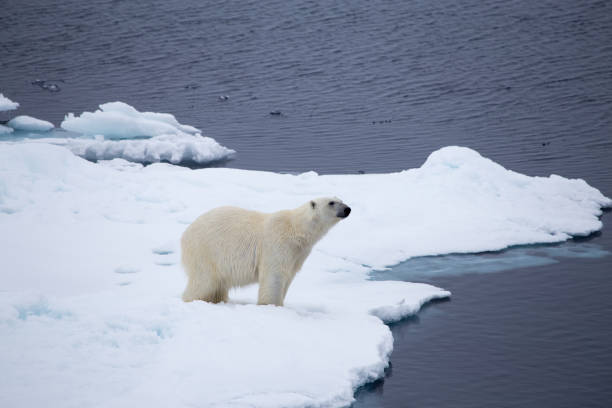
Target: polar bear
229, 246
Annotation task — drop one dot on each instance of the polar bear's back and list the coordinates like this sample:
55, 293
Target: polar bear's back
222, 245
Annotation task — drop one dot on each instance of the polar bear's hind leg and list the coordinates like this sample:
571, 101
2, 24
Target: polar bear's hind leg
201, 286
212, 294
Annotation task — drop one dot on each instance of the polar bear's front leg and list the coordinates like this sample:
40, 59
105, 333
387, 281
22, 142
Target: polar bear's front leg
272, 289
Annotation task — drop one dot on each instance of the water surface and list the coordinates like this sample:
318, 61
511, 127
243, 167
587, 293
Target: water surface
531, 336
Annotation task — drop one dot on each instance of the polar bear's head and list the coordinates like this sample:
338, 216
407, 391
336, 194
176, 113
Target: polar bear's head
316, 217
329, 209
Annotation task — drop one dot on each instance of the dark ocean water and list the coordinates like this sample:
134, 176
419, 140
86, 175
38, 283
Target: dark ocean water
526, 327
375, 87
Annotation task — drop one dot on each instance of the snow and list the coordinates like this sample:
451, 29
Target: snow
6, 104
90, 312
118, 120
29, 123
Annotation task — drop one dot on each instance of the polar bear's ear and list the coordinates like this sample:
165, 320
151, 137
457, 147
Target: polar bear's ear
313, 204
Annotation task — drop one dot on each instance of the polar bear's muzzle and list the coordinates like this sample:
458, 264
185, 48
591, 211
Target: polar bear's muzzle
343, 211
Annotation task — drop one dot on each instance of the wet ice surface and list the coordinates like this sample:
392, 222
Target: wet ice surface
431, 267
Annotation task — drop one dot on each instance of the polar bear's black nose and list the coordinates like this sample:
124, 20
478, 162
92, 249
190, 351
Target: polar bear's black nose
347, 211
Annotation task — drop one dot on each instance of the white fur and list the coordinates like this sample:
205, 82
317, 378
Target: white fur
230, 246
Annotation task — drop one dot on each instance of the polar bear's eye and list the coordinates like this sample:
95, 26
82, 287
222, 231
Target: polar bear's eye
331, 203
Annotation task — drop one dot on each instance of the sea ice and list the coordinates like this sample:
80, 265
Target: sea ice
118, 120
28, 123
6, 104
180, 148
82, 331
119, 131
176, 149
5, 130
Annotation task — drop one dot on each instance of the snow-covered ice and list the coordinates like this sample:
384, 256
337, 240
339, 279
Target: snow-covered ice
28, 123
180, 148
90, 311
6, 104
170, 148
118, 120
176, 149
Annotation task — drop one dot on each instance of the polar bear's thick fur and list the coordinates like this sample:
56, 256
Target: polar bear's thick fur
230, 246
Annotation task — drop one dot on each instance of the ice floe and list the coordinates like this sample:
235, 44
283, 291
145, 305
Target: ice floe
180, 148
28, 123
91, 313
6, 104
119, 131
118, 120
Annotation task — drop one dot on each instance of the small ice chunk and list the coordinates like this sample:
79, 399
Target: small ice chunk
28, 123
50, 86
6, 104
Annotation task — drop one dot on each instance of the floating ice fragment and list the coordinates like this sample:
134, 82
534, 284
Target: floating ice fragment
6, 104
118, 120
182, 148
30, 124
50, 86
143, 137
169, 140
